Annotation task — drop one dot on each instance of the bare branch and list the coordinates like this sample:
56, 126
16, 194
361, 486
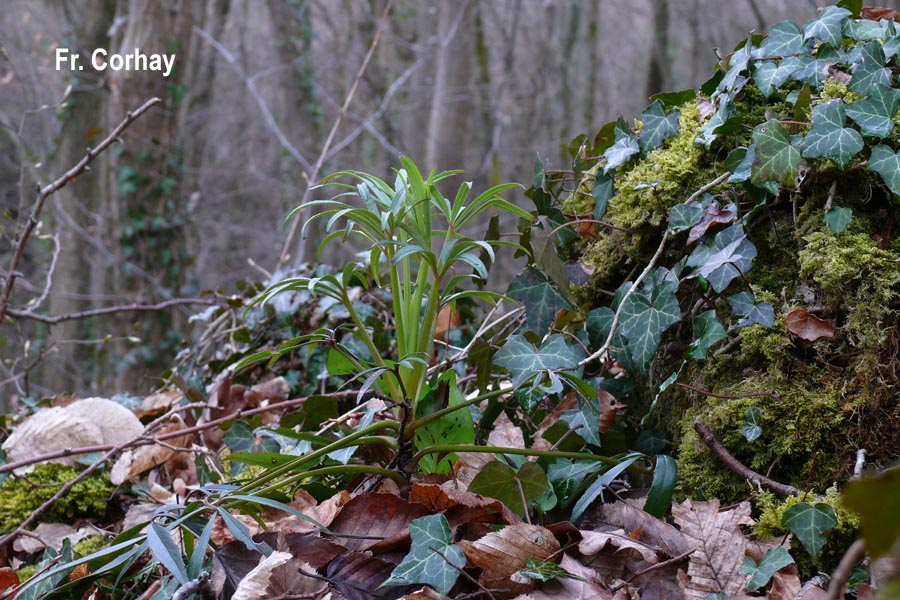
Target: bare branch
109, 310
48, 190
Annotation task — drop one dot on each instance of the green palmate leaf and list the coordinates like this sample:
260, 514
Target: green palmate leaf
724, 258
828, 27
869, 71
625, 146
604, 190
645, 315
880, 519
499, 480
740, 162
776, 157
811, 71
838, 218
165, 550
784, 39
854, 6
658, 126
674, 99
523, 361
665, 475
423, 565
750, 428
597, 326
874, 114
886, 163
721, 120
541, 300
744, 306
708, 331
769, 75
542, 570
770, 563
734, 81
829, 138
685, 216
810, 523
566, 476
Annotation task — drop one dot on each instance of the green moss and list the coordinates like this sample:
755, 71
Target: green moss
26, 572
795, 429
90, 544
21, 495
771, 511
832, 89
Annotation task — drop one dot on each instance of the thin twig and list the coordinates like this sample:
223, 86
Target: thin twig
772, 395
653, 567
316, 168
855, 553
50, 189
109, 310
735, 465
201, 585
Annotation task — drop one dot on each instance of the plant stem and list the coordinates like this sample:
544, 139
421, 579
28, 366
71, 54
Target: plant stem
447, 448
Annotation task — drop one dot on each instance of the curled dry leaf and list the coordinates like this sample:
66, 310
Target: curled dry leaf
133, 463
379, 516
594, 541
460, 507
501, 554
807, 326
158, 403
645, 528
84, 422
276, 575
712, 215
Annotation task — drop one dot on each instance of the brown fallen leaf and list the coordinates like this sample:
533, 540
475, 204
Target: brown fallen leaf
276, 575
715, 563
648, 529
609, 407
501, 554
807, 326
785, 584
380, 516
461, 507
357, 575
876, 13
712, 215
134, 463
447, 319
595, 541
157, 403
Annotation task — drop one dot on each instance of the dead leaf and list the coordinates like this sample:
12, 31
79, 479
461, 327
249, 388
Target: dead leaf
8, 578
379, 516
609, 407
715, 564
158, 403
785, 584
645, 528
876, 13
278, 574
447, 319
50, 535
426, 593
87, 422
357, 575
595, 541
134, 463
571, 589
712, 215
500, 554
807, 326
461, 507
705, 108
274, 390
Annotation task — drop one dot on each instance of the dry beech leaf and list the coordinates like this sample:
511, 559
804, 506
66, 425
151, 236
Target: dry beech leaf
645, 528
785, 584
158, 403
720, 547
134, 463
609, 406
274, 390
594, 541
276, 575
502, 553
357, 575
447, 319
426, 593
569, 402
807, 326
460, 507
50, 535
876, 13
712, 215
382, 516
85, 422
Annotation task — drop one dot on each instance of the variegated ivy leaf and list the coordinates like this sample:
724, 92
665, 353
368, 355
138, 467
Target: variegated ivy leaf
625, 146
770, 75
658, 126
874, 114
828, 27
810, 523
734, 81
776, 157
720, 119
784, 39
829, 138
423, 564
708, 331
524, 361
744, 306
723, 258
869, 70
647, 313
886, 163
541, 300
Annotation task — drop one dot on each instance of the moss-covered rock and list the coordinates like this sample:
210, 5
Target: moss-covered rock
20, 495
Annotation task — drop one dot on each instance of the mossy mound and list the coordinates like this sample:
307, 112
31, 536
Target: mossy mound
20, 495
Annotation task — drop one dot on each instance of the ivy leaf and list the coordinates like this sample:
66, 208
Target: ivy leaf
750, 428
541, 300
784, 39
733, 81
828, 27
674, 99
770, 563
541, 570
625, 146
665, 475
837, 218
744, 306
886, 163
604, 190
644, 318
740, 163
776, 158
500, 481
425, 566
874, 114
566, 476
597, 325
722, 116
685, 216
770, 75
829, 138
809, 70
712, 215
809, 523
869, 70
523, 361
880, 520
723, 259
658, 125
708, 331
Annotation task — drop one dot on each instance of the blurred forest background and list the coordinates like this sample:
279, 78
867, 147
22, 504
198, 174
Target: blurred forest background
197, 194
